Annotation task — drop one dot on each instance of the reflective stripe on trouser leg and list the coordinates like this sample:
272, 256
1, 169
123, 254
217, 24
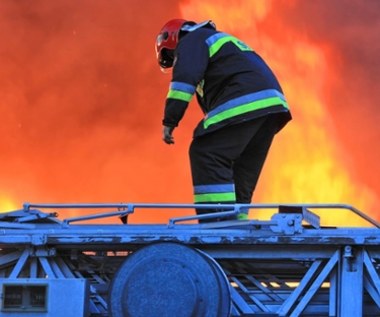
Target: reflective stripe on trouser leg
214, 193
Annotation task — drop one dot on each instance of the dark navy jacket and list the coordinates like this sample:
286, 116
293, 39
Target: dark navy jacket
232, 82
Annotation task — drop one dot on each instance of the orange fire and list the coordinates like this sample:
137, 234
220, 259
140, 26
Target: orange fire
81, 103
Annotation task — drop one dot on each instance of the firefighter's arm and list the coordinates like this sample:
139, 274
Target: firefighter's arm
174, 111
186, 76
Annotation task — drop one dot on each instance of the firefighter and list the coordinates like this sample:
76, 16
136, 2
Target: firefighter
243, 105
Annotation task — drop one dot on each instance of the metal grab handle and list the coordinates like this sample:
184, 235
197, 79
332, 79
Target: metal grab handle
128, 208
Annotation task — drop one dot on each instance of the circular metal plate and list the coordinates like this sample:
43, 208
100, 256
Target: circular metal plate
168, 280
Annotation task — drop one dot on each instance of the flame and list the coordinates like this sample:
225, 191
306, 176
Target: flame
81, 119
7, 204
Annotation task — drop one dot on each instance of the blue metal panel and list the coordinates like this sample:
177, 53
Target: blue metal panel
64, 297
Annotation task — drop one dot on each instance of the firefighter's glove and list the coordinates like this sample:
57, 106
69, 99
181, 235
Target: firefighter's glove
167, 135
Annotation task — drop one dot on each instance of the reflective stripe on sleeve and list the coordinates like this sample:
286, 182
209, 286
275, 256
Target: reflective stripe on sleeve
181, 91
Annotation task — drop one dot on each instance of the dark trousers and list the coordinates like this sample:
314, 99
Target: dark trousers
233, 155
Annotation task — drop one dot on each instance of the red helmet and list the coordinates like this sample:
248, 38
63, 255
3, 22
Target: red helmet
167, 41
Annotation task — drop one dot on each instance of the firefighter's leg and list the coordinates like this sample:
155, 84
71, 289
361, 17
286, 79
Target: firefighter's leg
212, 158
248, 166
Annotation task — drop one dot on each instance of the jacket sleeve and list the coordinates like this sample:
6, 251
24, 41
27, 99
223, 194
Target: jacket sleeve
190, 63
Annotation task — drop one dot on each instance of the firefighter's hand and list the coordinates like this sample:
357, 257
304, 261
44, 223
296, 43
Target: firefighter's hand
167, 136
